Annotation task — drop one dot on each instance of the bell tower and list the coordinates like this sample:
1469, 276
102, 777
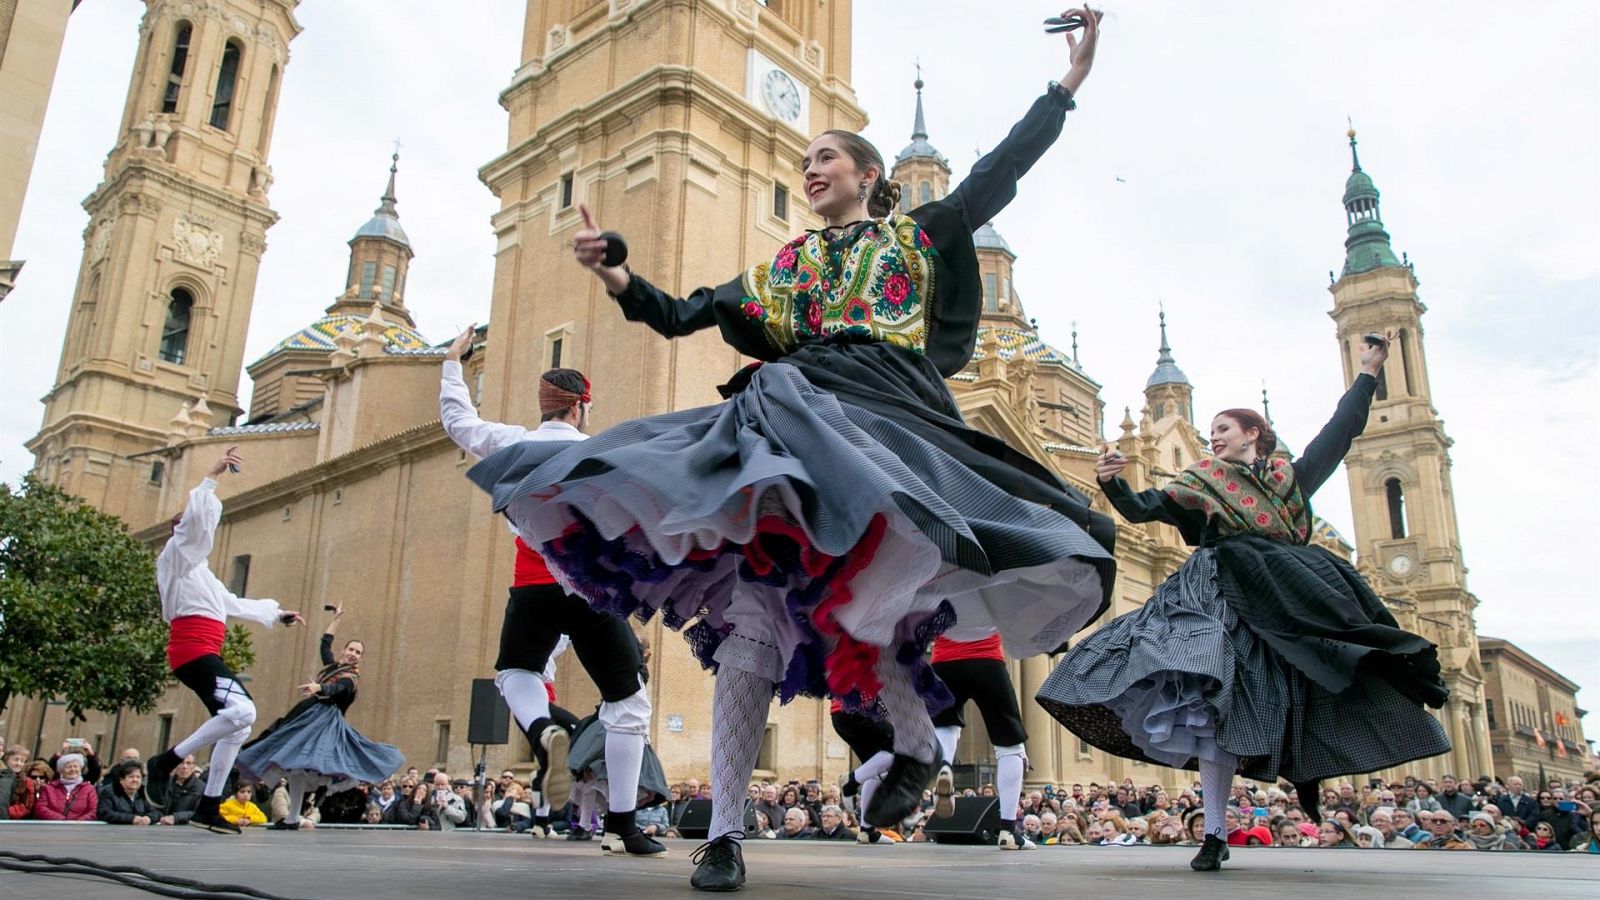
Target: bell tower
171, 250
681, 125
1399, 470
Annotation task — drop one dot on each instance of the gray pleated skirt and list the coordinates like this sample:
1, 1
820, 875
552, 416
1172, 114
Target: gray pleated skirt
1183, 674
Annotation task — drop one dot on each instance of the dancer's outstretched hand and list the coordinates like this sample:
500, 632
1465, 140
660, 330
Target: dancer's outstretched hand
228, 463
1081, 49
1109, 464
458, 347
588, 247
1373, 355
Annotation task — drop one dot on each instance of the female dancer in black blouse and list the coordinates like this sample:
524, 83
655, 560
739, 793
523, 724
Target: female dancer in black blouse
836, 513
312, 745
1262, 654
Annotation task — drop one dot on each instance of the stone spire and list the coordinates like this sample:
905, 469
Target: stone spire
1366, 245
1167, 371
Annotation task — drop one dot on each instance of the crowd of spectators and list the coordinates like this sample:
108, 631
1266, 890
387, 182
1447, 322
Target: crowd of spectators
1448, 814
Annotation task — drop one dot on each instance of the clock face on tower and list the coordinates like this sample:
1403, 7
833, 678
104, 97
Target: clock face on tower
781, 95
1400, 565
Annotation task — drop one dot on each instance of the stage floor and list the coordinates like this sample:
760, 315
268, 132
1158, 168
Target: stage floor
361, 865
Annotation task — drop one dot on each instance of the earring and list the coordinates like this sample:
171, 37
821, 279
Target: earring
861, 193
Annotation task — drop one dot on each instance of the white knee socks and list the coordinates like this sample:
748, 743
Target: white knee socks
949, 736
624, 759
525, 695
1008, 768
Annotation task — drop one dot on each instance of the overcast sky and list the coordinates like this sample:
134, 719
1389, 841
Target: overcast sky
1204, 169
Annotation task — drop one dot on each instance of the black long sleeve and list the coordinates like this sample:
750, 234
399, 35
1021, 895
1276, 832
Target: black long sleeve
992, 183
668, 316
1154, 505
326, 648
1329, 447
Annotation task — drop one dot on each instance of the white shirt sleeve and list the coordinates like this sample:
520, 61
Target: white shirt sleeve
461, 422
190, 543
263, 612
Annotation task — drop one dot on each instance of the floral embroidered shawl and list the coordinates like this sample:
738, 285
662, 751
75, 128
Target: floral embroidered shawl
1263, 499
873, 282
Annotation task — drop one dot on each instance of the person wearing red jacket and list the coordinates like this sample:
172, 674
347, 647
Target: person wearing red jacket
976, 671
69, 797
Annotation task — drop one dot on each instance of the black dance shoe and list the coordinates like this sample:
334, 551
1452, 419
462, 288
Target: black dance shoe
207, 816
718, 865
622, 837
901, 791
1211, 855
161, 767
579, 834
848, 786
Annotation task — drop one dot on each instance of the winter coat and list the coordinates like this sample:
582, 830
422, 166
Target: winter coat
55, 804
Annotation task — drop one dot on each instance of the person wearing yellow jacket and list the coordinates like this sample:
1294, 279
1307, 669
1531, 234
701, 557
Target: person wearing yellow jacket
239, 809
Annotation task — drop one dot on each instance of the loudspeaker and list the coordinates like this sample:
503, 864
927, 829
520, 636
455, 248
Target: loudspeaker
977, 821
695, 823
696, 820
489, 721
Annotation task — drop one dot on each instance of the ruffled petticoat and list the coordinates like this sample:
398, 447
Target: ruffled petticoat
816, 534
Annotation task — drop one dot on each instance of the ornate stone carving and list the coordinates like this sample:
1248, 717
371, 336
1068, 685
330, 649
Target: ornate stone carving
100, 240
196, 243
260, 181
163, 131
253, 244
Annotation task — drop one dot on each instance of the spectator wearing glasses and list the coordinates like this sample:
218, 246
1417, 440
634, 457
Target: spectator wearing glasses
1383, 819
1482, 834
1563, 825
1442, 833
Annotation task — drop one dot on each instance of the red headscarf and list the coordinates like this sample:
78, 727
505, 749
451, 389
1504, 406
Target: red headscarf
553, 398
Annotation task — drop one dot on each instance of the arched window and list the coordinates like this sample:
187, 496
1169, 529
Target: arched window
991, 301
175, 331
227, 77
180, 59
924, 192
1397, 508
1177, 459
905, 197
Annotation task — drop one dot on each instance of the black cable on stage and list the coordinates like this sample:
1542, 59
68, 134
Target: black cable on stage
132, 876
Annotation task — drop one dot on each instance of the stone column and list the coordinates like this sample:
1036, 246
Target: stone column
1042, 730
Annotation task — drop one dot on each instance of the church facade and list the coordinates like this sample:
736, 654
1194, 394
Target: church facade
681, 123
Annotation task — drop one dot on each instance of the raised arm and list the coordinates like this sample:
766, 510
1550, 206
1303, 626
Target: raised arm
992, 183
460, 417
1329, 447
191, 539
1151, 505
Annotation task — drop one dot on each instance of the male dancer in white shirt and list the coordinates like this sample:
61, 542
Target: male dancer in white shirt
539, 613
196, 606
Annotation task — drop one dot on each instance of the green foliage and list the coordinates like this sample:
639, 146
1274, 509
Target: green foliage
237, 650
80, 618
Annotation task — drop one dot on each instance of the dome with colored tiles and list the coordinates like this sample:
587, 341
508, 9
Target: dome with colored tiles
319, 335
1012, 340
1321, 529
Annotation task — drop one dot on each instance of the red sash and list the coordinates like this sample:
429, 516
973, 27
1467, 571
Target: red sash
193, 637
946, 650
530, 567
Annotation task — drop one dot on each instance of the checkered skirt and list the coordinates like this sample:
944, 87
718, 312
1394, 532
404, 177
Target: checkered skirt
1184, 673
